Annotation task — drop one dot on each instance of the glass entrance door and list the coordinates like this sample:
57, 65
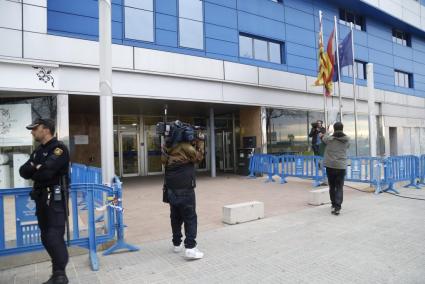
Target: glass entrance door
224, 150
129, 142
153, 144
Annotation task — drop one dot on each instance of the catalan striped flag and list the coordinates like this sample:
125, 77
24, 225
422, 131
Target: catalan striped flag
326, 63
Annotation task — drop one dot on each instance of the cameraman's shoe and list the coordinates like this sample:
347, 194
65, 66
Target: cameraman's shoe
194, 253
178, 249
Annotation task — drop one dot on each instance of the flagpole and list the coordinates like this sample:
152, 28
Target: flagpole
354, 91
338, 69
325, 107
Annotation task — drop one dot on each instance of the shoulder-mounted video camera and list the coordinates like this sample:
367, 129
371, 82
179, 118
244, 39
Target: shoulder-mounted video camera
177, 131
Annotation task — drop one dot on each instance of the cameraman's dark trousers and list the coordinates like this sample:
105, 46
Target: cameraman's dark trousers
336, 185
180, 185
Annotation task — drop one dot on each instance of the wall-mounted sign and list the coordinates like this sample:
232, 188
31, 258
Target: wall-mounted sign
13, 119
81, 139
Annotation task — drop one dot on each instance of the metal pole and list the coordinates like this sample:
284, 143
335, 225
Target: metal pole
354, 90
234, 142
373, 133
338, 68
212, 143
105, 88
325, 102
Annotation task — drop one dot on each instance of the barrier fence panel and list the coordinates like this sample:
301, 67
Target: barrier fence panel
310, 167
399, 169
85, 232
262, 164
422, 170
373, 170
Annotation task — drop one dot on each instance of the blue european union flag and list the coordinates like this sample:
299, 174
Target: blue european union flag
345, 49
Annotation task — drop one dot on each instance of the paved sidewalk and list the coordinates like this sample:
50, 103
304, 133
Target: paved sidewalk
376, 239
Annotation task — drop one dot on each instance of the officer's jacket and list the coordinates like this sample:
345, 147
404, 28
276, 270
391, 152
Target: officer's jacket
180, 163
54, 160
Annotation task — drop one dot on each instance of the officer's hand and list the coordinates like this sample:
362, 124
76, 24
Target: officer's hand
38, 167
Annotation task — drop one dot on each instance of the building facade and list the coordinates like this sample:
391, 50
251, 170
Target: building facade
248, 66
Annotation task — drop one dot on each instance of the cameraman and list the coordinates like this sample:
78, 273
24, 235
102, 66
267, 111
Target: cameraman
316, 133
179, 158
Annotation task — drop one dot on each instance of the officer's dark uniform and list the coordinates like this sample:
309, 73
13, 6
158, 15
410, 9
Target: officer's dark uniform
54, 160
180, 182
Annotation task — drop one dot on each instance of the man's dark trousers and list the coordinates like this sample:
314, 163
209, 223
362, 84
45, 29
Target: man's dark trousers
183, 211
336, 184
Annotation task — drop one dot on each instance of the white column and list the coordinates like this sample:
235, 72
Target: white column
62, 118
105, 88
263, 118
212, 143
371, 108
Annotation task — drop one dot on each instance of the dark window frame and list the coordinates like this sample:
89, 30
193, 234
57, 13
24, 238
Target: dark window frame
349, 68
407, 79
346, 17
268, 41
401, 37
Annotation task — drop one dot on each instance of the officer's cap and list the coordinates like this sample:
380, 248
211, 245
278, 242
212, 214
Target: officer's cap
46, 122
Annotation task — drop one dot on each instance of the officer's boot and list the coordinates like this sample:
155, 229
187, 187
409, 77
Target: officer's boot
58, 277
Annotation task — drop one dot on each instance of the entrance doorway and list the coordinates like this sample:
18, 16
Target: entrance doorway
129, 154
224, 150
225, 147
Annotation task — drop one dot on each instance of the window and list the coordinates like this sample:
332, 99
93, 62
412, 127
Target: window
401, 37
260, 49
191, 26
359, 68
347, 17
403, 79
139, 20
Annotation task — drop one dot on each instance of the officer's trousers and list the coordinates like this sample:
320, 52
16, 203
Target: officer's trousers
51, 221
183, 211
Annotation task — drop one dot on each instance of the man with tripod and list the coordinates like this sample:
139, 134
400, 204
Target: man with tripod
48, 167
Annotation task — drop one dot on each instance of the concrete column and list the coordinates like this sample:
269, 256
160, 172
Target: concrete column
263, 120
372, 112
105, 88
212, 143
62, 118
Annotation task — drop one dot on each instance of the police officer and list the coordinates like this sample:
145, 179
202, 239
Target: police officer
179, 190
48, 167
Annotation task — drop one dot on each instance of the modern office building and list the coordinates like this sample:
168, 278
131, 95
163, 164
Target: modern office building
248, 66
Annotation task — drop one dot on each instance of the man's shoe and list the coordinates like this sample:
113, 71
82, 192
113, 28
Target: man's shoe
60, 279
193, 253
336, 211
57, 279
50, 281
178, 249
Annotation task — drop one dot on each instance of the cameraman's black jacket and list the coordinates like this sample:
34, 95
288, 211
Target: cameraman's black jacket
314, 132
180, 163
54, 160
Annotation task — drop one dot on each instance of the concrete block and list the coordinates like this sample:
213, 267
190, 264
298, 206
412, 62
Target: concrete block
243, 212
319, 196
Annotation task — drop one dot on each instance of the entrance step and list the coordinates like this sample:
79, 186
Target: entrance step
243, 212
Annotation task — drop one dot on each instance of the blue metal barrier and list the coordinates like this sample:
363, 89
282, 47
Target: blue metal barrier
422, 170
366, 170
373, 170
307, 167
263, 164
27, 232
401, 168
